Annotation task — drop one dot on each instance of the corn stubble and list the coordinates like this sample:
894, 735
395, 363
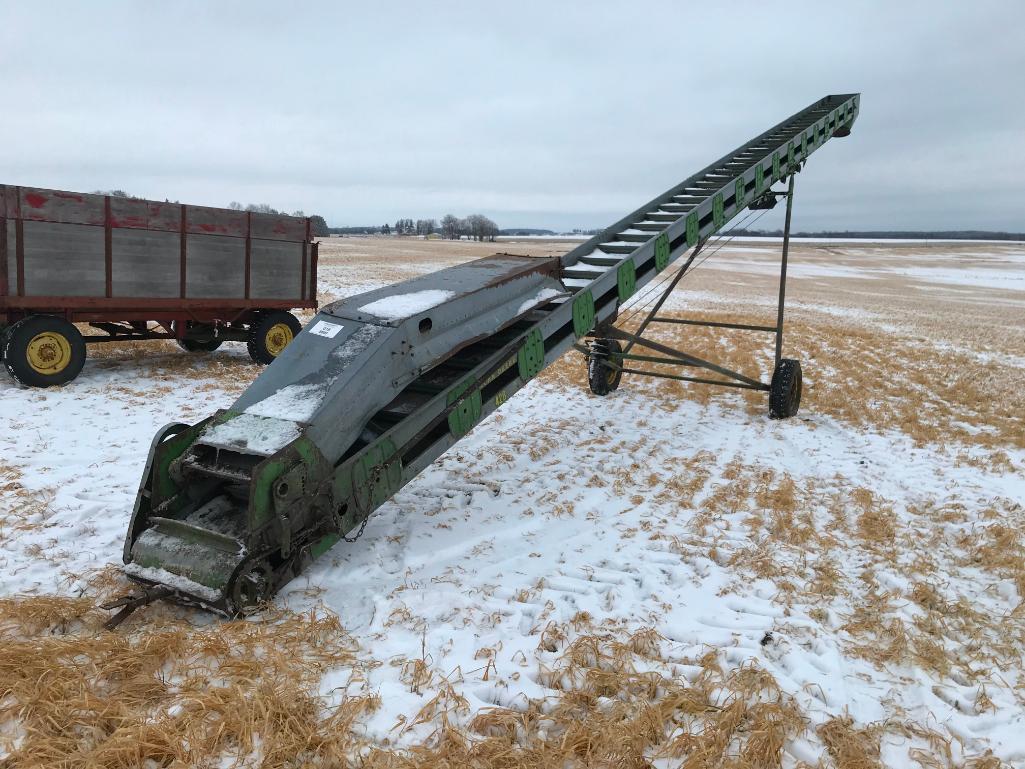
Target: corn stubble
246, 693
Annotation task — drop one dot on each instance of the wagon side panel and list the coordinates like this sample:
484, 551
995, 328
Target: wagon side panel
276, 270
145, 263
57, 244
64, 259
130, 213
215, 267
10, 258
200, 220
59, 207
272, 227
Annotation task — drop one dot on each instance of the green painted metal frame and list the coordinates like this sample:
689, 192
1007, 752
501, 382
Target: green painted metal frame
673, 357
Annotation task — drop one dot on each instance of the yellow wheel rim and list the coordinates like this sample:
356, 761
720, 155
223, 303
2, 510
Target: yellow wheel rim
49, 352
278, 337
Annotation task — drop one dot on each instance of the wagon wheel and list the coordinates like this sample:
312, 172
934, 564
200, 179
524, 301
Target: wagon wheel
271, 333
785, 389
43, 350
202, 337
601, 377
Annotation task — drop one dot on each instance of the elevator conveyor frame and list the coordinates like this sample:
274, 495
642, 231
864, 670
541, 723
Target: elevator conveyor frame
607, 358
377, 386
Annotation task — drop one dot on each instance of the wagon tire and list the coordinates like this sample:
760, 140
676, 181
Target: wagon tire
785, 389
601, 378
271, 333
194, 345
43, 351
199, 345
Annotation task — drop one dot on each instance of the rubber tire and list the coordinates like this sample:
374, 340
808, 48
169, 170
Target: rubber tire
785, 389
17, 338
193, 345
198, 345
601, 379
258, 333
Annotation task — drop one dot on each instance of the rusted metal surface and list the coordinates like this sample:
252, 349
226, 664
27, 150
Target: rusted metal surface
108, 249
249, 255
4, 256
61, 207
182, 245
310, 280
80, 255
19, 259
84, 306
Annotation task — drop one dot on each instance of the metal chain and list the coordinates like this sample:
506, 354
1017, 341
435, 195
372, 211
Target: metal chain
359, 533
371, 483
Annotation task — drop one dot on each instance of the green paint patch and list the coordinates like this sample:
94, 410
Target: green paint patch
626, 280
163, 486
466, 413
583, 313
376, 475
693, 228
661, 252
530, 358
261, 499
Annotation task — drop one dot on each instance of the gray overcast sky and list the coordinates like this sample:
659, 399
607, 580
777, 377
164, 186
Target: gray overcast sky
547, 114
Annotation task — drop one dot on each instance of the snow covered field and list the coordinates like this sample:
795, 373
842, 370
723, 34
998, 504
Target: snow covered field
662, 575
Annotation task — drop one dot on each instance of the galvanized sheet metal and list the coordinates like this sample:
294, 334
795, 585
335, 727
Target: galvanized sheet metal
215, 267
12, 258
145, 263
276, 269
312, 380
64, 260
461, 281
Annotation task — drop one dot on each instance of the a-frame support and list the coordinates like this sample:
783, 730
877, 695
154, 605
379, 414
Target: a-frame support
613, 348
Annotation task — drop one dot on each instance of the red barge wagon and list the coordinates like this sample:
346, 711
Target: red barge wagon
142, 269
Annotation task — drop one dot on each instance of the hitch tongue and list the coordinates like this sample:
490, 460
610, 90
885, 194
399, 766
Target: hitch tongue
129, 603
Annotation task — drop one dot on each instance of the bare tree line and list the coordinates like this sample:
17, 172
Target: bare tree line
474, 226
409, 227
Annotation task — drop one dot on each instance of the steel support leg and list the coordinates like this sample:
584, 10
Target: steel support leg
665, 295
783, 272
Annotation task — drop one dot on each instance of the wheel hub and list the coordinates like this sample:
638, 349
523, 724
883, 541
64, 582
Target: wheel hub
251, 588
48, 352
278, 338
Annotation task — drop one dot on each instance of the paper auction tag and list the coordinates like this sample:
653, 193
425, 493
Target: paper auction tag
323, 328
